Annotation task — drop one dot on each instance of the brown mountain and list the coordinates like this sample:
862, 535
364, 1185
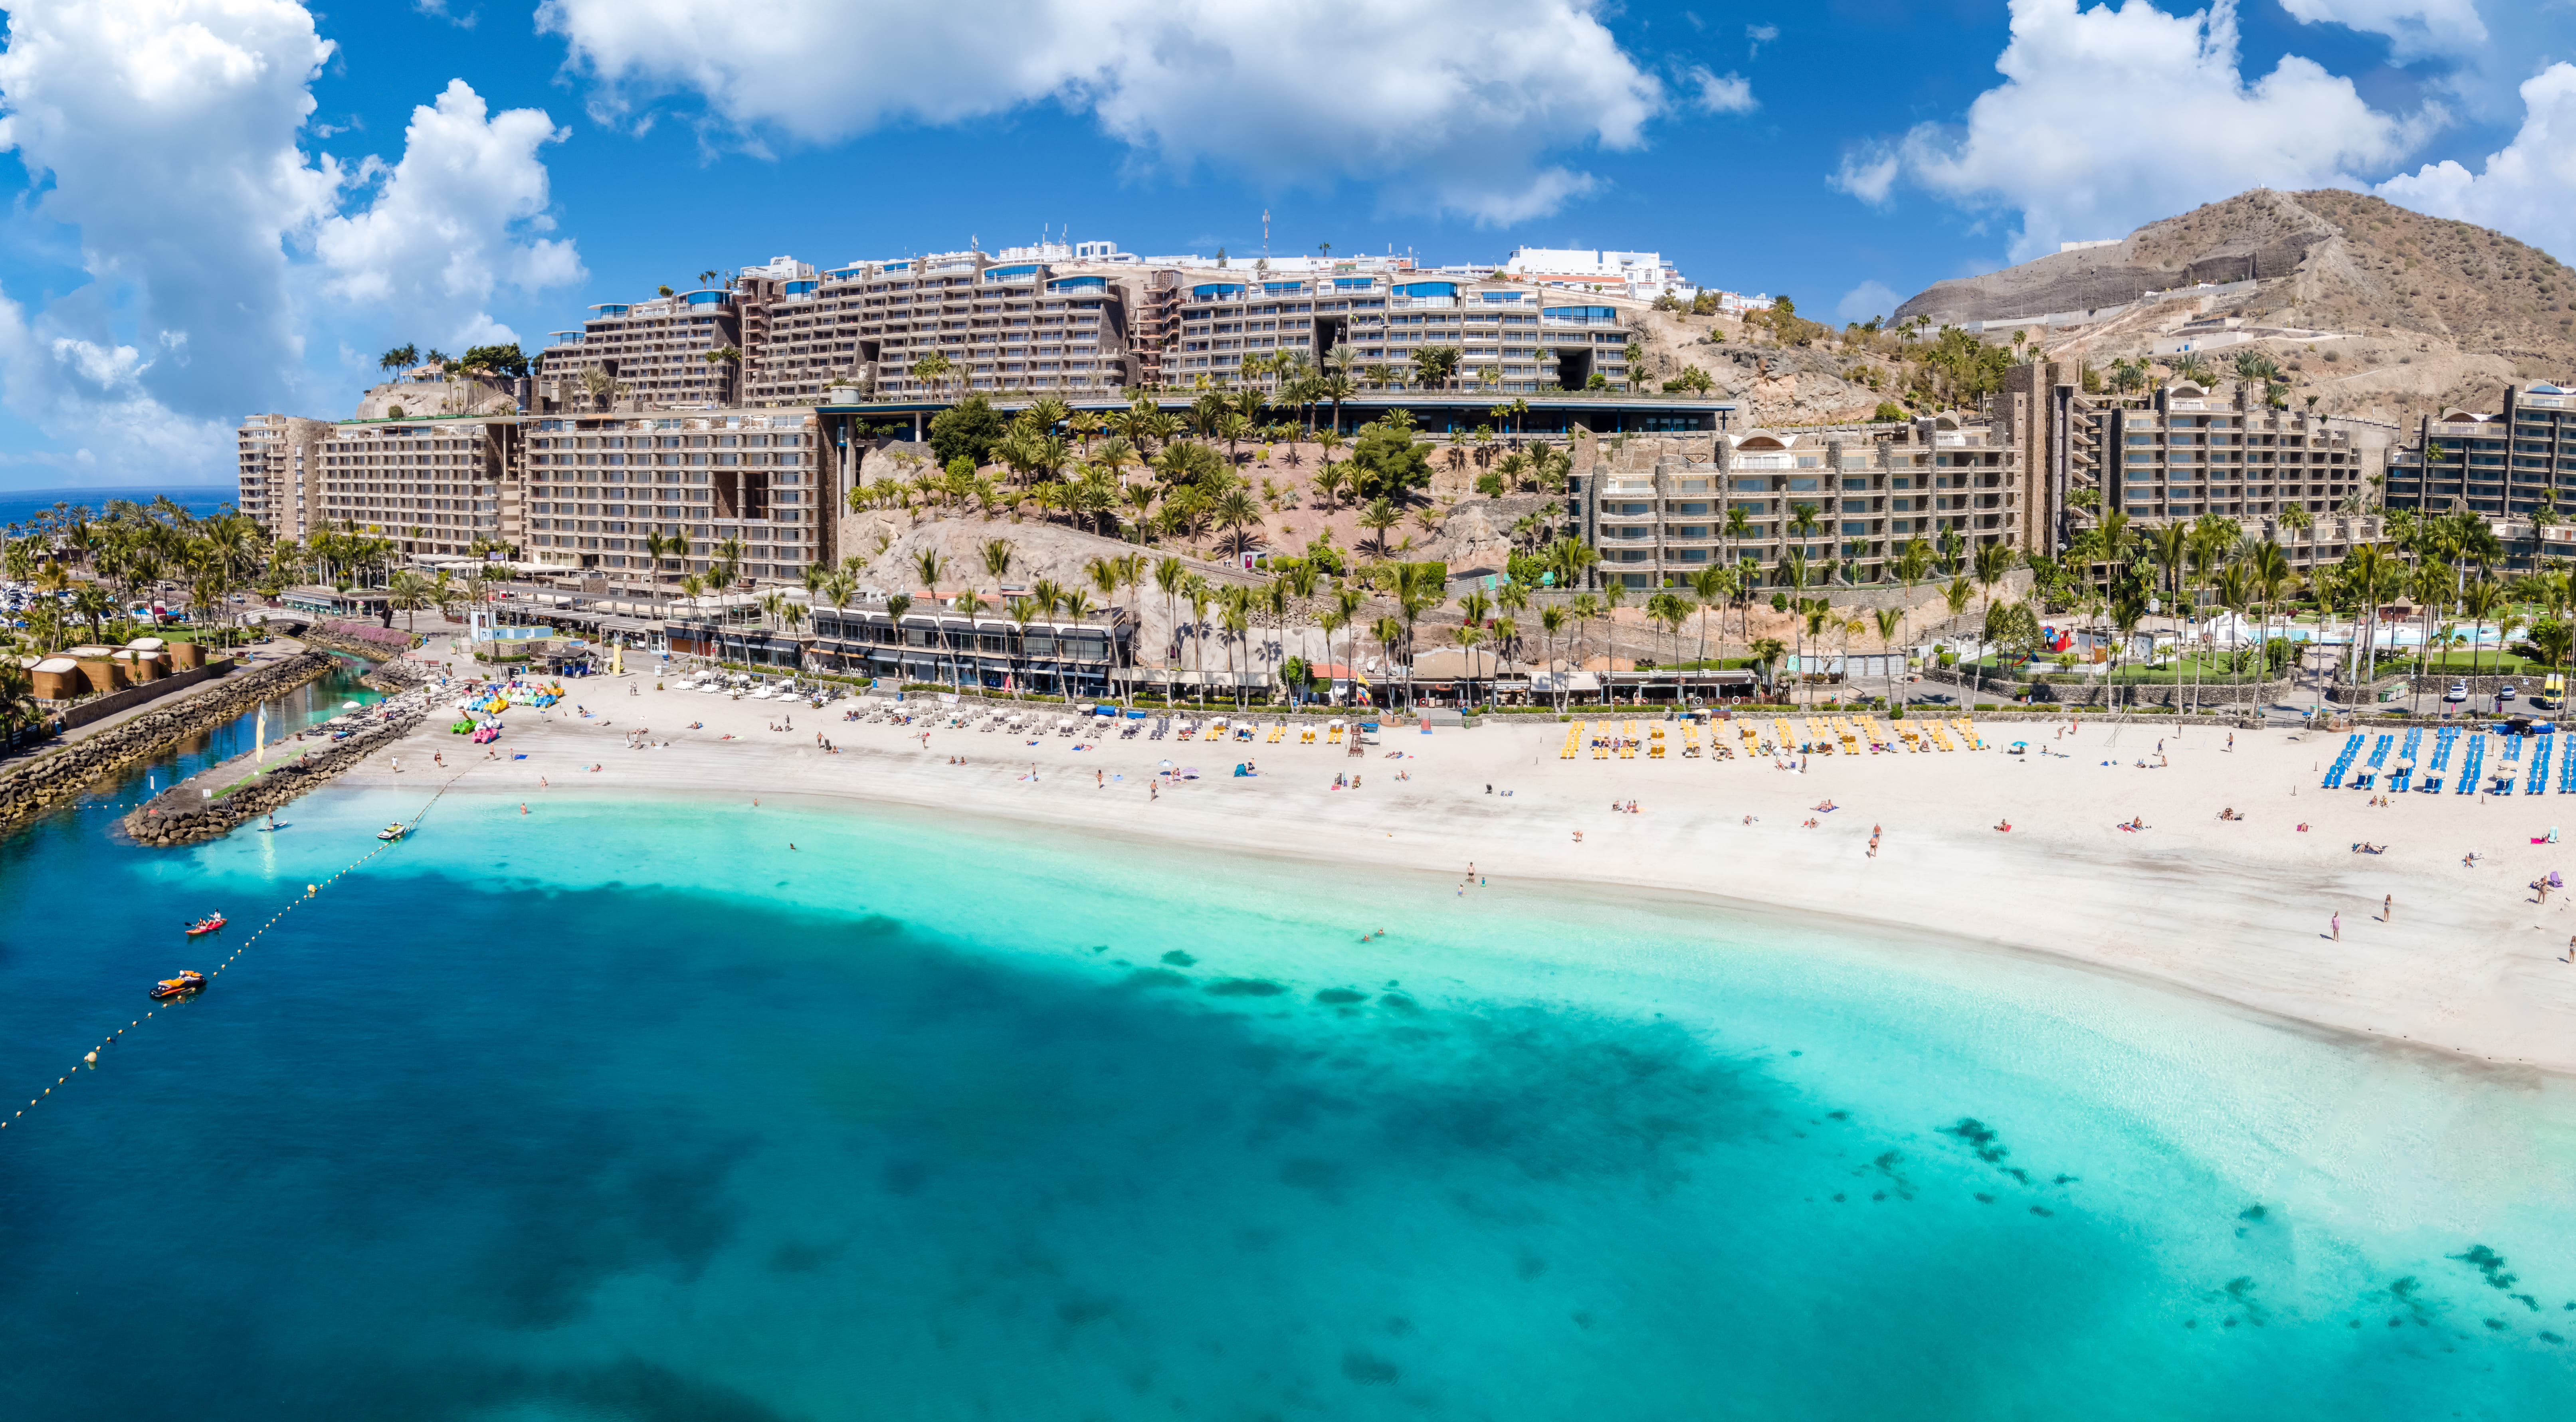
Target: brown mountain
2393, 310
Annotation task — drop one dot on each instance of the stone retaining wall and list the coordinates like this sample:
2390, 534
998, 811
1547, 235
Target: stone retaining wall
30, 787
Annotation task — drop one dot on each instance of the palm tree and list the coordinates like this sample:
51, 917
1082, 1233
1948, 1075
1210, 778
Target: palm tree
997, 553
1993, 562
1380, 516
1891, 623
1171, 577
1551, 622
2483, 600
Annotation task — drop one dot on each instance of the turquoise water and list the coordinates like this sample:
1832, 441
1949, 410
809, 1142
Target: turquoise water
626, 1110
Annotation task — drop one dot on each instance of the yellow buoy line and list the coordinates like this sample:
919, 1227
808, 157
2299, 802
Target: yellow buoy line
90, 1058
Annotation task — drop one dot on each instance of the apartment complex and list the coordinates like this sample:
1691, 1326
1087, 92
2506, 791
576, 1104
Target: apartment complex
1009, 324
432, 487
660, 353
2186, 451
1072, 319
1848, 500
572, 492
1509, 338
597, 489
278, 454
2507, 465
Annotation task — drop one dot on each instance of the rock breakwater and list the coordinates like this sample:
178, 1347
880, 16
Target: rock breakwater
29, 788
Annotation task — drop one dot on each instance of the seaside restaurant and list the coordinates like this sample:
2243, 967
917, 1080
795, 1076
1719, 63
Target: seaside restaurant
938, 644
1448, 677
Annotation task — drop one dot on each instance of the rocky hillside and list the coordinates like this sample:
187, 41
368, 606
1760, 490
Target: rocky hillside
2380, 311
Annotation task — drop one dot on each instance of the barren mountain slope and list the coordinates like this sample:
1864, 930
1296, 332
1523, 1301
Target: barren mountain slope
2426, 311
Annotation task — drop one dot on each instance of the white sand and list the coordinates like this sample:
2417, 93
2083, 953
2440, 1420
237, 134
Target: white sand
2239, 910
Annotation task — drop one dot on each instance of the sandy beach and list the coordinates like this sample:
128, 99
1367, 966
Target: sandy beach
2242, 910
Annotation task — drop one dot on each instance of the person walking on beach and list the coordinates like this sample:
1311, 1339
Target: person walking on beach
2387, 908
2335, 927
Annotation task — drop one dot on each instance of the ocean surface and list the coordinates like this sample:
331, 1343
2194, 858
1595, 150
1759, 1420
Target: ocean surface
627, 1109
20, 505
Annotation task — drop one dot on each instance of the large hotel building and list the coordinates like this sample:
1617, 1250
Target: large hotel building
718, 418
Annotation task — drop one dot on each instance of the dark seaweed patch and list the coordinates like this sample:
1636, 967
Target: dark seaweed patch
2548, 1337
2240, 1291
1977, 1136
2526, 1300
2042, 1210
1984, 1198
1156, 978
1339, 997
1245, 987
1365, 1367
1399, 1002
1179, 959
1081, 1309
1324, 1177
1837, 1115
2488, 1263
2252, 1214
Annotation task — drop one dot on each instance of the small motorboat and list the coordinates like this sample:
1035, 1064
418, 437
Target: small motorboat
186, 982
390, 833
205, 925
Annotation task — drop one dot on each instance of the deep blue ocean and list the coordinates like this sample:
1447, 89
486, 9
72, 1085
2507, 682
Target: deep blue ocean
20, 505
624, 1109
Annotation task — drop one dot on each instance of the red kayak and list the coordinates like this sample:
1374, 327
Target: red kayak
205, 925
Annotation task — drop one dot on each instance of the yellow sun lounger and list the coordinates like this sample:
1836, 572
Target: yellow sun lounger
1627, 740
1912, 737
1940, 736
1968, 733
1277, 733
1752, 740
1333, 736
1655, 743
1305, 735
1690, 738
1820, 736
1573, 740
1788, 739
1844, 733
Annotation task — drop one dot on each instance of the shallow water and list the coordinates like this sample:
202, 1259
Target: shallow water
625, 1109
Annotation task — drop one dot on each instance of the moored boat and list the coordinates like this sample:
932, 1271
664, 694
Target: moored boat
186, 982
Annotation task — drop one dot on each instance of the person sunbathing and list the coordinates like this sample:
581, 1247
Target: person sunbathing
2003, 827
1828, 807
2230, 814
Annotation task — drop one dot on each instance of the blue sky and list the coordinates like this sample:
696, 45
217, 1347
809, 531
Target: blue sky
222, 206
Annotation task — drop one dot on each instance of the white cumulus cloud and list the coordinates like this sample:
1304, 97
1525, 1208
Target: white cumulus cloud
1456, 105
1713, 93
444, 230
2527, 189
2415, 28
166, 135
1870, 298
2111, 117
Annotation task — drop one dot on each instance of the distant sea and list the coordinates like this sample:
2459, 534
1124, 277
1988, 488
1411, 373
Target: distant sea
20, 505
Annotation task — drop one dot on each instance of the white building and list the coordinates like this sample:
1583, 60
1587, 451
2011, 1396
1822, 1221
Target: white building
1638, 274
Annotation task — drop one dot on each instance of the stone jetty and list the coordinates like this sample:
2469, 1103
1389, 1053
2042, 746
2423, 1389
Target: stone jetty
31, 786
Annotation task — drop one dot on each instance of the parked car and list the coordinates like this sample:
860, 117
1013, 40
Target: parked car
2458, 693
